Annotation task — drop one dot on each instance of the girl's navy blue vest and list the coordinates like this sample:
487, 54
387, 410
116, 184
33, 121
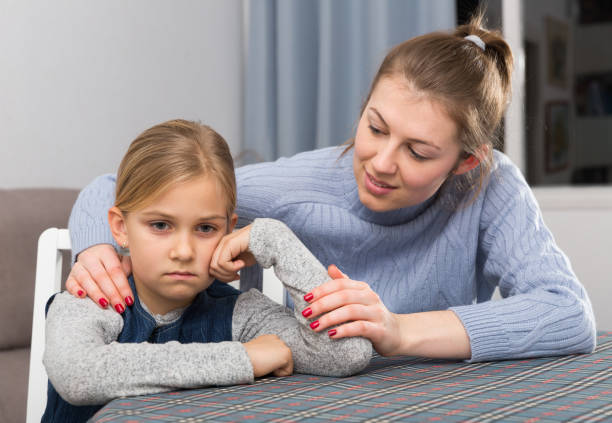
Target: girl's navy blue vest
207, 319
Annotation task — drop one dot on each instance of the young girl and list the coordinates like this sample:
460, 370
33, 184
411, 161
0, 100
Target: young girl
421, 213
175, 200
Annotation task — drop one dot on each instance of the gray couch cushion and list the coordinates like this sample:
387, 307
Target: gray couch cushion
14, 384
24, 214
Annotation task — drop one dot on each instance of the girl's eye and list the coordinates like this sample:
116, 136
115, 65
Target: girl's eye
206, 228
374, 130
160, 226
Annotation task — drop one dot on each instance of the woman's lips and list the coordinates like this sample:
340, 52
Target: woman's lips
375, 186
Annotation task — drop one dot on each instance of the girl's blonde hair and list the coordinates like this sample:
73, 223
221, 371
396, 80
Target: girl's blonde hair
171, 152
472, 84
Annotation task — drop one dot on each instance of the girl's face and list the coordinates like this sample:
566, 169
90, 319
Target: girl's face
172, 240
405, 147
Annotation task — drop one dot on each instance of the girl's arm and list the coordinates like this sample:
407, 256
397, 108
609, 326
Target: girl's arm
272, 243
87, 366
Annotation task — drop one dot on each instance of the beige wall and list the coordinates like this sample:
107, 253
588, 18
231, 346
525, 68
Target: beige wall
80, 79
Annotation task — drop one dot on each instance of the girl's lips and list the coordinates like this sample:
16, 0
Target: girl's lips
376, 187
181, 275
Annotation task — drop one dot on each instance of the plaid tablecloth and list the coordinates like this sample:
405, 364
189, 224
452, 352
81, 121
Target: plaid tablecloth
575, 388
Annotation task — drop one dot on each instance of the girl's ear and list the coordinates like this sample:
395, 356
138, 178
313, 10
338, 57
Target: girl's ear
232, 223
116, 221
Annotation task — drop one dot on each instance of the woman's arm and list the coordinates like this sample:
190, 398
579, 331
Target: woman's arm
545, 309
359, 312
273, 244
86, 366
98, 271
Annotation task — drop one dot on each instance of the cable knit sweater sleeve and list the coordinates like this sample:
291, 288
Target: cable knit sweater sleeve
88, 223
545, 310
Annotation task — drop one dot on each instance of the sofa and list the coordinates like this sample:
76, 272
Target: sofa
24, 214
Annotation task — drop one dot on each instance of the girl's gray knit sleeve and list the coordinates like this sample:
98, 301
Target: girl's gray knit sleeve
274, 244
87, 366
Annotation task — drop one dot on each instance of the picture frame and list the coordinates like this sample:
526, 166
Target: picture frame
557, 135
557, 39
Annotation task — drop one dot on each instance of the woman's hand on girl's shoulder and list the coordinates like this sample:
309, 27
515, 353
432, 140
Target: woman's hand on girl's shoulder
100, 274
231, 255
356, 310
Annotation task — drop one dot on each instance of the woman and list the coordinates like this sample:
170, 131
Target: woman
420, 212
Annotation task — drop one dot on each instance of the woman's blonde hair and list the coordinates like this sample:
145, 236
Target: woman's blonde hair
472, 84
171, 152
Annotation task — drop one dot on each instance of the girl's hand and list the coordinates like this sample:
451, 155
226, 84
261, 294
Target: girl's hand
101, 275
231, 255
269, 354
357, 309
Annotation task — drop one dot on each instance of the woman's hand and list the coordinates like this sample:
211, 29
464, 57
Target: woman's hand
269, 354
101, 275
357, 309
360, 312
231, 255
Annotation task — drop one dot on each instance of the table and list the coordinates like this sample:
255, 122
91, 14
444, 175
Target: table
572, 388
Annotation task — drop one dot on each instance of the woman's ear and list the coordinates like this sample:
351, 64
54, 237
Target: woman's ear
465, 165
232, 223
471, 161
116, 221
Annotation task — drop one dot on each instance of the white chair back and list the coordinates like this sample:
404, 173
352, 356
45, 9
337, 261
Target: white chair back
51, 243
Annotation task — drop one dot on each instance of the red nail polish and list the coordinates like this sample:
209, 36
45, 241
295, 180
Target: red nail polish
119, 308
314, 324
129, 301
308, 297
331, 332
307, 312
103, 302
80, 293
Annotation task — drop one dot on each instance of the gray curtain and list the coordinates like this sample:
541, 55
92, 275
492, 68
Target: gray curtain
310, 63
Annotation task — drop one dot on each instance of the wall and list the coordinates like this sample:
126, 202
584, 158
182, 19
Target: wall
583, 230
80, 79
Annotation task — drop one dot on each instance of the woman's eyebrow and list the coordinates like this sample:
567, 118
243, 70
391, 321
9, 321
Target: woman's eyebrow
373, 110
427, 143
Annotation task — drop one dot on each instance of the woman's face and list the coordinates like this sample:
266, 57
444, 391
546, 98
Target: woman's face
405, 147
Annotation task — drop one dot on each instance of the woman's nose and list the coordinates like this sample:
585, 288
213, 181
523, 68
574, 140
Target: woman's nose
385, 159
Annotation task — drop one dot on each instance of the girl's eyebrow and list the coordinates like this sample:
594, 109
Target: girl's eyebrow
156, 213
429, 144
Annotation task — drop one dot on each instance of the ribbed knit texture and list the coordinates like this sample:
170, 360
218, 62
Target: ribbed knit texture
445, 253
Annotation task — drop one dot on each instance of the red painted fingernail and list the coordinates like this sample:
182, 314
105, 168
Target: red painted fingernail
103, 302
129, 301
80, 293
314, 324
331, 332
308, 297
119, 308
307, 312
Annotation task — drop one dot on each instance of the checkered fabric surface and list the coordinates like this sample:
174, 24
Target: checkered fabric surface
575, 388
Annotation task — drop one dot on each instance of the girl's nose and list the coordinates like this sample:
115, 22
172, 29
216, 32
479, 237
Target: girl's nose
385, 160
182, 249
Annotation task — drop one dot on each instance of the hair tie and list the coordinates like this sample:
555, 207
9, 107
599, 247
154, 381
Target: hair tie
476, 40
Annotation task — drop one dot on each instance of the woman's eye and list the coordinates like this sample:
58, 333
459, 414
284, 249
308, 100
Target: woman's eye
417, 155
206, 228
374, 130
160, 226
